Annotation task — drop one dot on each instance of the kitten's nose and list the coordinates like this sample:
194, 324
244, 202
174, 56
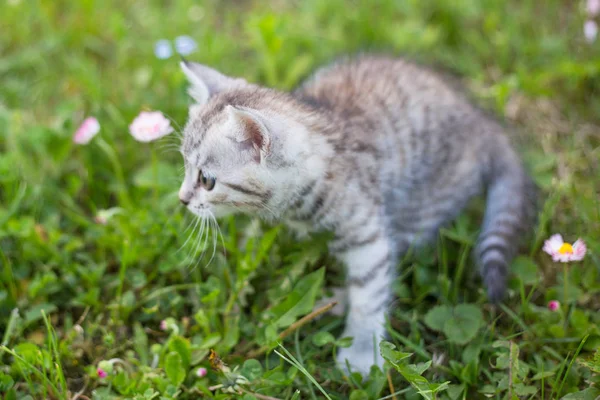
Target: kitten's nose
185, 197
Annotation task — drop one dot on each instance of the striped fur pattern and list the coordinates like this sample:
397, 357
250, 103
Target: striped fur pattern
378, 150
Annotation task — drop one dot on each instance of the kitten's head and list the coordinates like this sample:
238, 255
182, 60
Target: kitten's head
235, 146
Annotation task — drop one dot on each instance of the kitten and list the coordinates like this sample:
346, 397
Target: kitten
378, 150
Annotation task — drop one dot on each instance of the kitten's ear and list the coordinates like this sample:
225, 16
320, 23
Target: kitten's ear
250, 130
205, 81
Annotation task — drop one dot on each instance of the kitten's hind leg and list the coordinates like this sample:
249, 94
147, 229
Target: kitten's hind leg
370, 266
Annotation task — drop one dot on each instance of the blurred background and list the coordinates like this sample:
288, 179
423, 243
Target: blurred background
94, 248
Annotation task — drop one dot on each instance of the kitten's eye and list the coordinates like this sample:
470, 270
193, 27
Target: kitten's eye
209, 183
205, 181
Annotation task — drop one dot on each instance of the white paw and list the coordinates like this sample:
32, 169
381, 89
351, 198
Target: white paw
361, 356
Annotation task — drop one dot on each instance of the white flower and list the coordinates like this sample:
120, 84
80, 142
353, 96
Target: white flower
150, 126
562, 251
593, 7
590, 30
185, 45
162, 49
86, 131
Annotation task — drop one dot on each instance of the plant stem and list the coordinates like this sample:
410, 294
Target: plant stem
154, 172
391, 385
114, 160
565, 283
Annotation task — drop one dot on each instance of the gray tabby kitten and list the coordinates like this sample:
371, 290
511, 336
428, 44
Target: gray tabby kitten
378, 150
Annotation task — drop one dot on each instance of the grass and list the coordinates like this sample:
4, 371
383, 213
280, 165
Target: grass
91, 294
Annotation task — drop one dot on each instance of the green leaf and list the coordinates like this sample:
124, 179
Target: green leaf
6, 382
30, 353
436, 317
454, 391
210, 341
526, 270
464, 324
252, 369
35, 312
524, 390
174, 368
160, 175
322, 338
420, 368
300, 301
140, 343
376, 383
411, 373
471, 353
183, 348
587, 394
391, 355
344, 342
12, 395
543, 375
359, 395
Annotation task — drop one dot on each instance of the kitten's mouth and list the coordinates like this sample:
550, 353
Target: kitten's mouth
214, 210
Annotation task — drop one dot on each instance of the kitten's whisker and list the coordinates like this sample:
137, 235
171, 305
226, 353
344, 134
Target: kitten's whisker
203, 240
266, 207
177, 126
193, 222
220, 233
198, 240
214, 239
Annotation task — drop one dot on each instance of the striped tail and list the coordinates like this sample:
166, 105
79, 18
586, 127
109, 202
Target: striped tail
509, 216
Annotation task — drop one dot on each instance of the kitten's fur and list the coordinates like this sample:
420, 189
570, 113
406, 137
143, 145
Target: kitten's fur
378, 150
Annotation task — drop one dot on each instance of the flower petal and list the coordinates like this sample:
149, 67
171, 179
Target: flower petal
162, 49
590, 30
593, 7
150, 126
559, 257
552, 245
86, 131
185, 45
579, 250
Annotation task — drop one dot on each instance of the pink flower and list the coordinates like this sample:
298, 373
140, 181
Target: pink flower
562, 251
150, 126
201, 372
163, 325
86, 131
590, 30
593, 7
553, 305
101, 373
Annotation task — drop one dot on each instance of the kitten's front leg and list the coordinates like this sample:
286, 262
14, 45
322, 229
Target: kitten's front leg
370, 266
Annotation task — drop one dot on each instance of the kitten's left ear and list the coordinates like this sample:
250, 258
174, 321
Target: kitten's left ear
250, 130
206, 82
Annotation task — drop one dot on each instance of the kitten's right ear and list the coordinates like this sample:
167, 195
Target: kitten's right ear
205, 81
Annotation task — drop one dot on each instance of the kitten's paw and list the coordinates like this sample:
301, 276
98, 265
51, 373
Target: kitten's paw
361, 356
